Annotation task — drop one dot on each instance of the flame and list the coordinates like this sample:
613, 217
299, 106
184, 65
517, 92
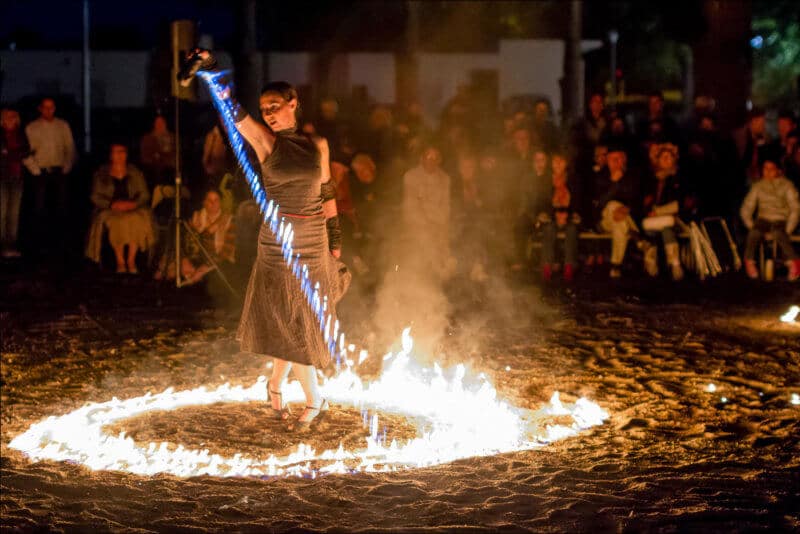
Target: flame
791, 315
462, 421
458, 416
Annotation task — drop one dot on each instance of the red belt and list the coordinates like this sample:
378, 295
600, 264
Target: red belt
297, 216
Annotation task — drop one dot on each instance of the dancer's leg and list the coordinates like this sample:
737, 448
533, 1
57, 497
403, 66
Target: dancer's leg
307, 375
280, 370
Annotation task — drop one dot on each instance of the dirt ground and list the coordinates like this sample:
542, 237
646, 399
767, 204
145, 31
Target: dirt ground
672, 457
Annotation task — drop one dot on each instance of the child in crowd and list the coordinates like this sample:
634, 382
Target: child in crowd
776, 200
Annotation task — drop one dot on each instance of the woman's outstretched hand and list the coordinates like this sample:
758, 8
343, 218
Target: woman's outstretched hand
197, 59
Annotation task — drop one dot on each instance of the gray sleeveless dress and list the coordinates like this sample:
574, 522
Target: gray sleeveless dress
276, 318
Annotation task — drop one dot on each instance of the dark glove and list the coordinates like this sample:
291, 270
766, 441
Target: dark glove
198, 59
334, 233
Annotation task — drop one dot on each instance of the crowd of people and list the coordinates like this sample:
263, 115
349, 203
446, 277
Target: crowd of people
485, 192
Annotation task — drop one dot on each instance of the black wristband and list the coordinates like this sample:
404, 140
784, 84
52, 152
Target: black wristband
328, 191
334, 233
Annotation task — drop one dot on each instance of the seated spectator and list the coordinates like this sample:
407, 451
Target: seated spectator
561, 216
775, 199
616, 194
157, 153
120, 198
661, 204
216, 232
14, 152
217, 158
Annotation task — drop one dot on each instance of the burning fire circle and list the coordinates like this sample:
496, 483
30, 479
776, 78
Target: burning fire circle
461, 422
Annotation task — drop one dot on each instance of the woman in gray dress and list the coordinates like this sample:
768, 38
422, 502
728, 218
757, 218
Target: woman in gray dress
276, 318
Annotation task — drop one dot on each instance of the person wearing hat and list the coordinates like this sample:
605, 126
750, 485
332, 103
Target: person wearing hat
775, 199
616, 193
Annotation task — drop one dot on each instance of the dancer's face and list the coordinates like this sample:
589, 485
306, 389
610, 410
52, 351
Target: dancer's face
277, 112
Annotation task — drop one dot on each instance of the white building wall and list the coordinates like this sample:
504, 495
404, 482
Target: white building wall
532, 66
27, 73
292, 67
376, 72
440, 75
120, 78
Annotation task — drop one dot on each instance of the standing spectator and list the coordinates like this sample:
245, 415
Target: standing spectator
657, 126
328, 124
776, 200
586, 133
469, 231
54, 155
533, 201
617, 194
561, 216
426, 210
13, 152
121, 200
707, 169
787, 125
662, 202
752, 145
792, 161
157, 153
544, 129
618, 134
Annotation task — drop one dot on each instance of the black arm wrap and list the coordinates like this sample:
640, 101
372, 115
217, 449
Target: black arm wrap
328, 191
334, 233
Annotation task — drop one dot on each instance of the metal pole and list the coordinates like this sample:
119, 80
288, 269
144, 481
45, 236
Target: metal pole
178, 182
613, 37
87, 82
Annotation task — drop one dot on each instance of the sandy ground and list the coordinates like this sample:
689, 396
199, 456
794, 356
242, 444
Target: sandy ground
673, 456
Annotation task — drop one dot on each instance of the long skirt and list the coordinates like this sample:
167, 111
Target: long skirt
126, 227
277, 319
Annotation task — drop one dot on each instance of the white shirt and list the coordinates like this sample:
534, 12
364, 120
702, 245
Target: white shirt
51, 143
426, 206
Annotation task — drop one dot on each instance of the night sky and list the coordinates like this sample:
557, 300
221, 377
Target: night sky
132, 25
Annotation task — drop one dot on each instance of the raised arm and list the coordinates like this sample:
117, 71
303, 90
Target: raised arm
256, 134
259, 136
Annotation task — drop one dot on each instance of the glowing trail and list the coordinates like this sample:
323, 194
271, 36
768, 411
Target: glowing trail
220, 91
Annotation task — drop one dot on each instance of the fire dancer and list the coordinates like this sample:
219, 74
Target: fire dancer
276, 320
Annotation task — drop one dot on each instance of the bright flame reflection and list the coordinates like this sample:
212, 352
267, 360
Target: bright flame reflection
791, 315
457, 417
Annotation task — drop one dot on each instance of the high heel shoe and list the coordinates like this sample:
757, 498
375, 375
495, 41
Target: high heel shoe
314, 414
283, 413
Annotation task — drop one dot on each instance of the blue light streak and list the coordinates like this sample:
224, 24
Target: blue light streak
220, 89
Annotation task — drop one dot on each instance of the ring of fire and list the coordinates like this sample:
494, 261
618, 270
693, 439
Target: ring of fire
462, 421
